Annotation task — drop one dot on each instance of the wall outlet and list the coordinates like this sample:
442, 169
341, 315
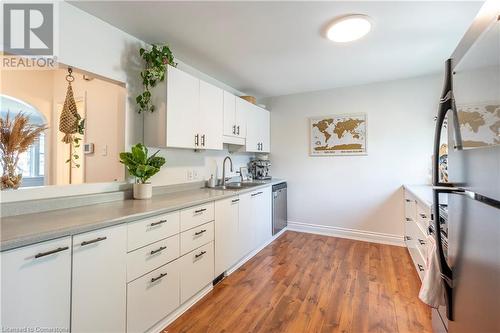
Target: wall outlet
189, 175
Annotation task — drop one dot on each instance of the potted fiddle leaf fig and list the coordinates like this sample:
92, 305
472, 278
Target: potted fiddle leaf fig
142, 167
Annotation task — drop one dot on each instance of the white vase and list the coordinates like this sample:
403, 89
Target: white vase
143, 191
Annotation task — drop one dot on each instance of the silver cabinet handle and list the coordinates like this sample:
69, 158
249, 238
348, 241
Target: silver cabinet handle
234, 129
423, 216
203, 140
200, 232
235, 200
238, 130
98, 239
161, 248
157, 223
408, 219
422, 242
43, 254
200, 210
407, 238
200, 254
407, 200
197, 140
254, 194
420, 268
158, 277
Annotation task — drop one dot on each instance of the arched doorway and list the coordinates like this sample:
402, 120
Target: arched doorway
32, 162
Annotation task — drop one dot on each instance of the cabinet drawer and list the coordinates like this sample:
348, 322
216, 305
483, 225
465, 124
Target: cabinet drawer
195, 216
197, 270
152, 297
410, 208
419, 264
196, 237
423, 217
147, 258
144, 232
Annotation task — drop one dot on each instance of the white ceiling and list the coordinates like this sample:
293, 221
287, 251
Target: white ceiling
278, 48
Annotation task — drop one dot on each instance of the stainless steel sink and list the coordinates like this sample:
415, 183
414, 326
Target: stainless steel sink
240, 185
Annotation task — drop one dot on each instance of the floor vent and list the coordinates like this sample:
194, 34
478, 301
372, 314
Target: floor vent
218, 279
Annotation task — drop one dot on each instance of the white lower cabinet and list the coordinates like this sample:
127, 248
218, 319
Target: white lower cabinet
262, 215
99, 280
246, 228
36, 283
152, 297
242, 224
196, 237
226, 234
79, 283
196, 270
149, 257
417, 220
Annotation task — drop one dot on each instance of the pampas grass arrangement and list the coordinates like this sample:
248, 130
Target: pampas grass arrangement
16, 136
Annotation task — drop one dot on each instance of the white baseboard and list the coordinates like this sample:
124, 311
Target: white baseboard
361, 235
158, 327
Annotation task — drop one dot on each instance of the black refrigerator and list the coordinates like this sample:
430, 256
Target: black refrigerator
467, 207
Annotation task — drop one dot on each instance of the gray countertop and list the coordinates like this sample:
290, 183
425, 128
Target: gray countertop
29, 229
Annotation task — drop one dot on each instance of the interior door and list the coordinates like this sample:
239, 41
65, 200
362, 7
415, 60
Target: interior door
211, 116
183, 96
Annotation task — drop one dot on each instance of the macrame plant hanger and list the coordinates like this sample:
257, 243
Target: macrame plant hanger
68, 122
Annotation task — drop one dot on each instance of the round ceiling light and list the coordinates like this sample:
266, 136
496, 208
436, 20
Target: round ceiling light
349, 28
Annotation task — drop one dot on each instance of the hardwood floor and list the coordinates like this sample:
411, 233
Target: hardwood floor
311, 283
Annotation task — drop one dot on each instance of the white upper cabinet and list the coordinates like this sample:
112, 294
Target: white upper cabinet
258, 127
36, 282
210, 120
234, 116
183, 92
199, 115
192, 116
229, 114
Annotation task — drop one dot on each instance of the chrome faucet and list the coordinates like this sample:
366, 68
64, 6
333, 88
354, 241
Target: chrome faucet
224, 170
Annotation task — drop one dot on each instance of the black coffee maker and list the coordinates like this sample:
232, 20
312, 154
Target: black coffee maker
260, 169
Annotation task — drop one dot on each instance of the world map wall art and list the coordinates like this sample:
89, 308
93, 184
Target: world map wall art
338, 135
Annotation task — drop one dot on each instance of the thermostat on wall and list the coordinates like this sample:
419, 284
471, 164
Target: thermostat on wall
88, 148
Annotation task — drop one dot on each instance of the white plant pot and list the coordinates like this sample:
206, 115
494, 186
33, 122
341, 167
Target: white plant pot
143, 191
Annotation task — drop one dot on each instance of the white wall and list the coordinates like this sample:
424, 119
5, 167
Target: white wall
356, 192
92, 45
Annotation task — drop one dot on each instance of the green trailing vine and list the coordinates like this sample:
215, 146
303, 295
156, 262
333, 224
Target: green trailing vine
156, 60
73, 160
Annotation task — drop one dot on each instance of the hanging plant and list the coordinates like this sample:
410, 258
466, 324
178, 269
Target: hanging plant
71, 123
156, 61
75, 144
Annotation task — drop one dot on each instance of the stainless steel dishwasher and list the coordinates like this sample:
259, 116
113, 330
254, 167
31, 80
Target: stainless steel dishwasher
279, 207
